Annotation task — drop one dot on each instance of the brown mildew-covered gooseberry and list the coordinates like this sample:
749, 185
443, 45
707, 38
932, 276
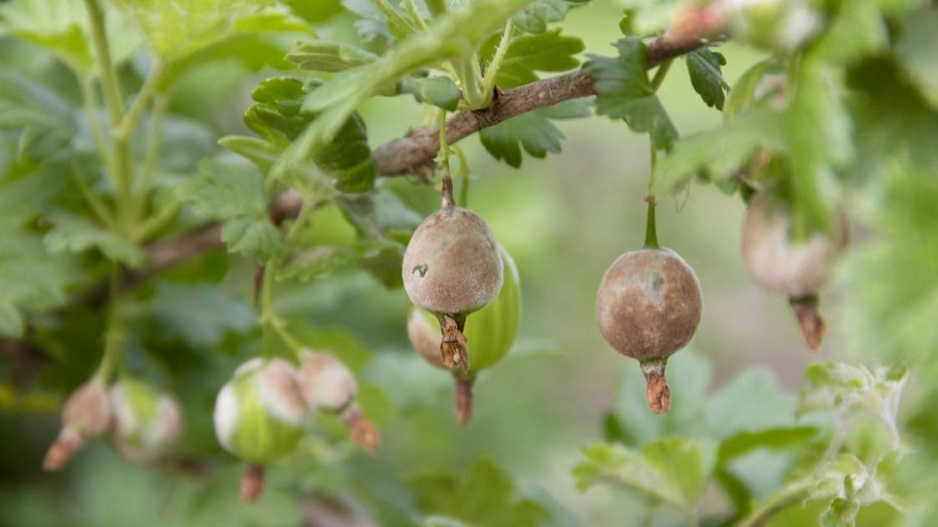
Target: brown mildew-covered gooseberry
451, 268
327, 385
798, 270
648, 307
86, 415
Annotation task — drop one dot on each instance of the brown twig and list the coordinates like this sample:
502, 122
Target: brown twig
414, 153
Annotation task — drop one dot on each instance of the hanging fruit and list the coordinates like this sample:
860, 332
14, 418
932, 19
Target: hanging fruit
489, 338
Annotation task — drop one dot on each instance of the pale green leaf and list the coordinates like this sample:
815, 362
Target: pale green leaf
78, 234
201, 314
626, 93
915, 48
439, 91
31, 279
527, 54
485, 497
321, 55
533, 131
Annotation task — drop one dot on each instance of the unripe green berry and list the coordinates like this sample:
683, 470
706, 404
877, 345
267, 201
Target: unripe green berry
147, 423
259, 414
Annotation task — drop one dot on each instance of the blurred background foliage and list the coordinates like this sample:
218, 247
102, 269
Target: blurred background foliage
563, 218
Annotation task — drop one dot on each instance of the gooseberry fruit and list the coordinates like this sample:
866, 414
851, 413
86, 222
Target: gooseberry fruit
147, 423
648, 307
260, 417
86, 415
452, 268
327, 385
798, 270
489, 338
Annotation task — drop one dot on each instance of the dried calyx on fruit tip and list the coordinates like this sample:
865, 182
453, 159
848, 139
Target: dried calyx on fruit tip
147, 423
798, 270
260, 417
452, 267
86, 415
327, 385
648, 307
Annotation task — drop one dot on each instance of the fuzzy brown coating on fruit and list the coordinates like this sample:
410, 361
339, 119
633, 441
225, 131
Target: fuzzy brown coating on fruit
452, 265
87, 414
648, 304
424, 338
779, 264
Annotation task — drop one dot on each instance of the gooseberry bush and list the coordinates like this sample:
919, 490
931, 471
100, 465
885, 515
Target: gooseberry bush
208, 262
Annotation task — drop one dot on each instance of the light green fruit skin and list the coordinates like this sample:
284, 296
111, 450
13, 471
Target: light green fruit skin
259, 436
491, 331
145, 404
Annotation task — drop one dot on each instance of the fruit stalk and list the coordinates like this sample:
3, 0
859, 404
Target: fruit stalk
463, 398
251, 483
809, 318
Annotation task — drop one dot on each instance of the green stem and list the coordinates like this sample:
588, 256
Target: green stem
488, 81
114, 101
396, 20
272, 324
464, 176
415, 17
94, 121
660, 74
157, 221
114, 338
267, 303
97, 206
444, 144
147, 91
467, 70
651, 233
761, 515
160, 104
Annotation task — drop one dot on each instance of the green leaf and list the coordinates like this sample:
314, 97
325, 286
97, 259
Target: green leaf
722, 152
78, 234
626, 93
535, 17
439, 91
257, 151
200, 314
703, 66
844, 388
917, 41
743, 443
485, 497
532, 131
672, 470
317, 262
62, 28
322, 55
277, 117
233, 193
31, 279
451, 36
44, 117
527, 54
